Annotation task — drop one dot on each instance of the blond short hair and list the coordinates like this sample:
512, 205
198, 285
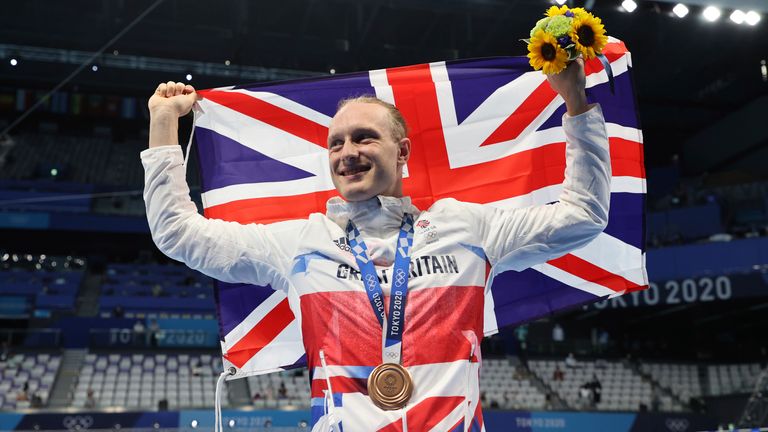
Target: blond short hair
398, 126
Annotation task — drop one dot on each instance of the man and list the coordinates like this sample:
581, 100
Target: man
378, 364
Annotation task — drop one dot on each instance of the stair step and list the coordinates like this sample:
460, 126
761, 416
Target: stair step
69, 370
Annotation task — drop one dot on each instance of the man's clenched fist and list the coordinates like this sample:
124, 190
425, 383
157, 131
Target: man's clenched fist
172, 98
170, 101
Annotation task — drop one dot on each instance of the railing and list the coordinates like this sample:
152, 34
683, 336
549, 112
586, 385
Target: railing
31, 338
165, 338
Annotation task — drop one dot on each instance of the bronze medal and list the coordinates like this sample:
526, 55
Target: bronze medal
390, 386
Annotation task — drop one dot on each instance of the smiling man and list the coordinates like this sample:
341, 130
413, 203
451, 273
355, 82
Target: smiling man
367, 149
392, 316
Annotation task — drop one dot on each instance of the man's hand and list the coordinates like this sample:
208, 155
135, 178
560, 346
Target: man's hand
172, 98
170, 101
570, 84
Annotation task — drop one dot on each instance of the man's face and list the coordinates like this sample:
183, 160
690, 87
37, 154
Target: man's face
365, 158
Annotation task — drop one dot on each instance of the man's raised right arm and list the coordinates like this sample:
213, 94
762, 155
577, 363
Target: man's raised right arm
227, 251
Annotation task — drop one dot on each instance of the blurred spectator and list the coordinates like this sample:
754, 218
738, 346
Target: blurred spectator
282, 392
37, 401
548, 405
117, 312
195, 368
139, 336
585, 396
520, 374
603, 339
558, 334
521, 334
23, 395
5, 354
655, 399
90, 399
509, 399
571, 362
558, 374
596, 390
697, 404
154, 333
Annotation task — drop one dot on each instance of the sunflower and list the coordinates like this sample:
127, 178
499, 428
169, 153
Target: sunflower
544, 52
579, 12
555, 11
588, 34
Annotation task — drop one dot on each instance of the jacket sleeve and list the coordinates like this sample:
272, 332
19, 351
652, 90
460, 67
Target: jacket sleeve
228, 251
520, 238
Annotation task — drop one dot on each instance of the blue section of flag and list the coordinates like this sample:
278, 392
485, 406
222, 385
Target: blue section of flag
237, 301
528, 295
238, 164
625, 219
320, 94
472, 81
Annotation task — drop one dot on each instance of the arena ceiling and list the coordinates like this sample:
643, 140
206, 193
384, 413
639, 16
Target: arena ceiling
689, 73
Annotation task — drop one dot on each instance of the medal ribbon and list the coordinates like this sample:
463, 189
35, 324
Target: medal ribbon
393, 327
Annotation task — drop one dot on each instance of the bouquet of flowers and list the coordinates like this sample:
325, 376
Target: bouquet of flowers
562, 35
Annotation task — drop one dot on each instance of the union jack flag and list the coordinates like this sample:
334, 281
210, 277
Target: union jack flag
485, 130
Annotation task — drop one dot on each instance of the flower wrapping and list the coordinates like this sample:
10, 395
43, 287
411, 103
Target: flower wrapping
563, 35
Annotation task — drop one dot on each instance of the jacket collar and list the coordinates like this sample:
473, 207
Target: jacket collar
380, 213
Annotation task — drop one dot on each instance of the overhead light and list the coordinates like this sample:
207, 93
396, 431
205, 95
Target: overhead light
95, 68
711, 13
14, 62
560, 2
752, 18
629, 5
738, 16
189, 77
332, 71
763, 71
227, 62
680, 10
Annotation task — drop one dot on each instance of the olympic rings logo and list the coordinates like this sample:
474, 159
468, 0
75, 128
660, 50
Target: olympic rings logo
77, 422
677, 424
370, 281
399, 277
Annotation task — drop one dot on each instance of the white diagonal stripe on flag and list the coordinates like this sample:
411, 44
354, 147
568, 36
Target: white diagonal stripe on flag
612, 254
572, 280
282, 347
